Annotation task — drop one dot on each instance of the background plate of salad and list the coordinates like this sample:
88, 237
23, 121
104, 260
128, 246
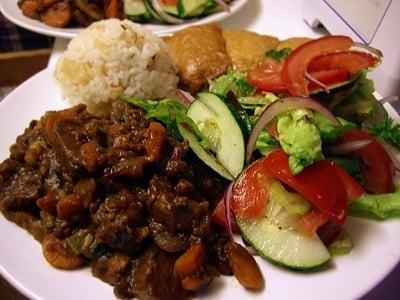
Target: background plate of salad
12, 12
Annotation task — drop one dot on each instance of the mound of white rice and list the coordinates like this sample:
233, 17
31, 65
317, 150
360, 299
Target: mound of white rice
111, 58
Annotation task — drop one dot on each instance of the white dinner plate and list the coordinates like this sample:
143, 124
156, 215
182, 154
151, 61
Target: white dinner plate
11, 11
375, 253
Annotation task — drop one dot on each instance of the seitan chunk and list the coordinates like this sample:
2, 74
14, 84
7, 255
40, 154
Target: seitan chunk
292, 43
199, 54
247, 48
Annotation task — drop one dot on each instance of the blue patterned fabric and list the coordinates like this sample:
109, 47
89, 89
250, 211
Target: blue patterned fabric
14, 38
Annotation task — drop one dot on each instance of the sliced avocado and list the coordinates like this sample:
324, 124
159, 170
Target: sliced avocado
293, 203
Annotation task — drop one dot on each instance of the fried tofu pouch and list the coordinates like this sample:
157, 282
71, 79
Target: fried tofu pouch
199, 54
292, 43
246, 48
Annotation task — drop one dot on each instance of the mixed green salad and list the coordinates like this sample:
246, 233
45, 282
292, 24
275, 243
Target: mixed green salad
302, 143
171, 11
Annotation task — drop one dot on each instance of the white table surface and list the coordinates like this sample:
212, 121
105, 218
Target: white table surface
283, 19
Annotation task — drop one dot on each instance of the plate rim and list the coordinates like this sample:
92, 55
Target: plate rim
20, 286
7, 275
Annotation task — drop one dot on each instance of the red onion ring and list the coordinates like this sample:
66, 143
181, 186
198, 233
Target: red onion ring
316, 81
225, 6
347, 148
186, 97
279, 106
166, 17
389, 99
227, 203
393, 153
373, 50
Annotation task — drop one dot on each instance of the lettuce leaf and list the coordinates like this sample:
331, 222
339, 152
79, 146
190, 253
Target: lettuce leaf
360, 104
235, 82
266, 143
278, 54
381, 206
170, 112
329, 131
387, 131
257, 103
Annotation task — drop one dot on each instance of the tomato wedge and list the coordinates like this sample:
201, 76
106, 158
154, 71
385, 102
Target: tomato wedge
311, 221
298, 61
271, 65
353, 189
272, 81
267, 81
376, 165
267, 76
170, 2
323, 183
328, 77
250, 194
351, 61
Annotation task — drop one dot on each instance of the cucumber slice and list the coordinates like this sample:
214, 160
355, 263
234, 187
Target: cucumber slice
205, 156
217, 122
284, 246
211, 8
191, 8
171, 9
158, 9
135, 10
151, 11
275, 235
